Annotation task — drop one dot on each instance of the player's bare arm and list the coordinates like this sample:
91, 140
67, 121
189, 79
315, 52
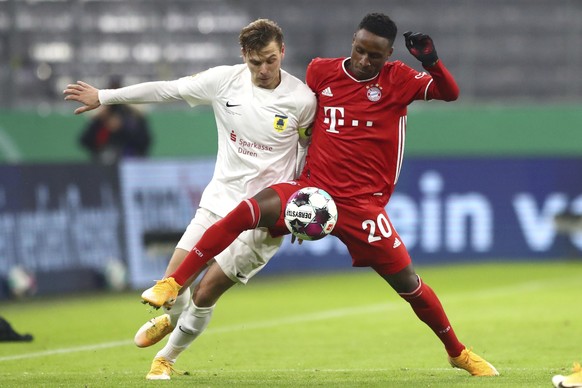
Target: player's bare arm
85, 94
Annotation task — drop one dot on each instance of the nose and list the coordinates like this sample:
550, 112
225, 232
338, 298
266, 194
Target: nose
263, 69
364, 62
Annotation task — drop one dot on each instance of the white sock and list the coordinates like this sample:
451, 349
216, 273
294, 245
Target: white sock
182, 303
190, 325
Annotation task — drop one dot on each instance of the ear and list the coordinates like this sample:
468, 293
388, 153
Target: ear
243, 54
282, 50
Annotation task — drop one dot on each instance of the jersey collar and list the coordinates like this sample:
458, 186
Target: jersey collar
351, 76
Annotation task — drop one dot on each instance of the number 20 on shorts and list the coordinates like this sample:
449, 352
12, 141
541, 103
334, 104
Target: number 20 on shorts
383, 226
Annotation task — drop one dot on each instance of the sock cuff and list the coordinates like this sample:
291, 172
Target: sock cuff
415, 293
200, 311
255, 211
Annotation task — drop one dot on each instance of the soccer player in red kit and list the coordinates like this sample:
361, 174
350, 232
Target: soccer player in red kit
356, 154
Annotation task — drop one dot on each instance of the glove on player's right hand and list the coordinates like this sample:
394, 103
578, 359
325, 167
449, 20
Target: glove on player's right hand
422, 47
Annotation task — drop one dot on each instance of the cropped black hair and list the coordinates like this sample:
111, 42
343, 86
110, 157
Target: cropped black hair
379, 24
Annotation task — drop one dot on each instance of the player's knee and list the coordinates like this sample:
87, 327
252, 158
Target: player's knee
201, 299
204, 296
269, 204
405, 281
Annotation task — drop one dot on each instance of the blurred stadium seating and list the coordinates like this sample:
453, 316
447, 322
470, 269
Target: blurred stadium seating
521, 50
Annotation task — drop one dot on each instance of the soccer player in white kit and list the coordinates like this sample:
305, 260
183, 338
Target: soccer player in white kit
262, 113
355, 155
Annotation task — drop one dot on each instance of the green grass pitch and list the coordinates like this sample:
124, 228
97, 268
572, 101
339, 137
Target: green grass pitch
338, 330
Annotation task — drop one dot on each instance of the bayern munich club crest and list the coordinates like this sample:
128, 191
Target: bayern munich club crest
374, 92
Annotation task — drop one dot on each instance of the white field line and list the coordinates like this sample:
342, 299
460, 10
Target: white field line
334, 370
201, 372
323, 315
76, 349
319, 316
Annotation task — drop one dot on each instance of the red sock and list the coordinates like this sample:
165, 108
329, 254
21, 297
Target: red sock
216, 238
428, 308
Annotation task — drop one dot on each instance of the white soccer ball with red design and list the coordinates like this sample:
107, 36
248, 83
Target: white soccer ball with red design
311, 213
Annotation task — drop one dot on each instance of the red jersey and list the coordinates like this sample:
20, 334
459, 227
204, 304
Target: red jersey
359, 131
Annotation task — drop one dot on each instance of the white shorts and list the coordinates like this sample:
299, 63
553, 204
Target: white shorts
242, 259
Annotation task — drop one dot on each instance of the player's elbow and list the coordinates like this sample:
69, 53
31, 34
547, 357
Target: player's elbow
453, 94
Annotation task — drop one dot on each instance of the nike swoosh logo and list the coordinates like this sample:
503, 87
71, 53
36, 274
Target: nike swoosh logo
229, 105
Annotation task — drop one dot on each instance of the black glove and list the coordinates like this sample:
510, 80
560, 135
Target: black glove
421, 46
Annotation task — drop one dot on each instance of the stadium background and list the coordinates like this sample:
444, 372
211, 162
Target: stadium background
484, 177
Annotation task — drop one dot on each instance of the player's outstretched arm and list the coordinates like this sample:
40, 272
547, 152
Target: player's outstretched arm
421, 47
85, 94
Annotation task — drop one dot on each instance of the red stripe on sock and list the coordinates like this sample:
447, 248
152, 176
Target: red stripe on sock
217, 237
428, 308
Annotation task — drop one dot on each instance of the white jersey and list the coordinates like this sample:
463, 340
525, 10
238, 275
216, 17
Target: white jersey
257, 128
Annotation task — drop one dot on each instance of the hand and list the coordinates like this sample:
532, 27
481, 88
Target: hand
422, 47
85, 94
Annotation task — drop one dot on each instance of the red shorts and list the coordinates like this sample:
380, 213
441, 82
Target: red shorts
366, 231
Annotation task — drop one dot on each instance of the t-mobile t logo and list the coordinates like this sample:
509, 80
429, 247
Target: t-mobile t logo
334, 116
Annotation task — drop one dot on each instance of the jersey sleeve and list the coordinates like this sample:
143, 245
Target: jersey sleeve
307, 107
301, 154
147, 92
201, 88
444, 87
413, 85
306, 114
310, 74
437, 84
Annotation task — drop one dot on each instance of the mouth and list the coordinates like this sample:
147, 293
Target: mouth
361, 72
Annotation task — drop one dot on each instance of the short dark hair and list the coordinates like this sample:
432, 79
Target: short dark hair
379, 24
258, 34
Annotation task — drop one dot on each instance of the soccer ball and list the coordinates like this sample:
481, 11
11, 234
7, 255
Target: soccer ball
310, 213
21, 283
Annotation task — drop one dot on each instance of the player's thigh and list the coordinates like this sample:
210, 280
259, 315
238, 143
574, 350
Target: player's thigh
284, 191
371, 239
248, 254
270, 206
202, 220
